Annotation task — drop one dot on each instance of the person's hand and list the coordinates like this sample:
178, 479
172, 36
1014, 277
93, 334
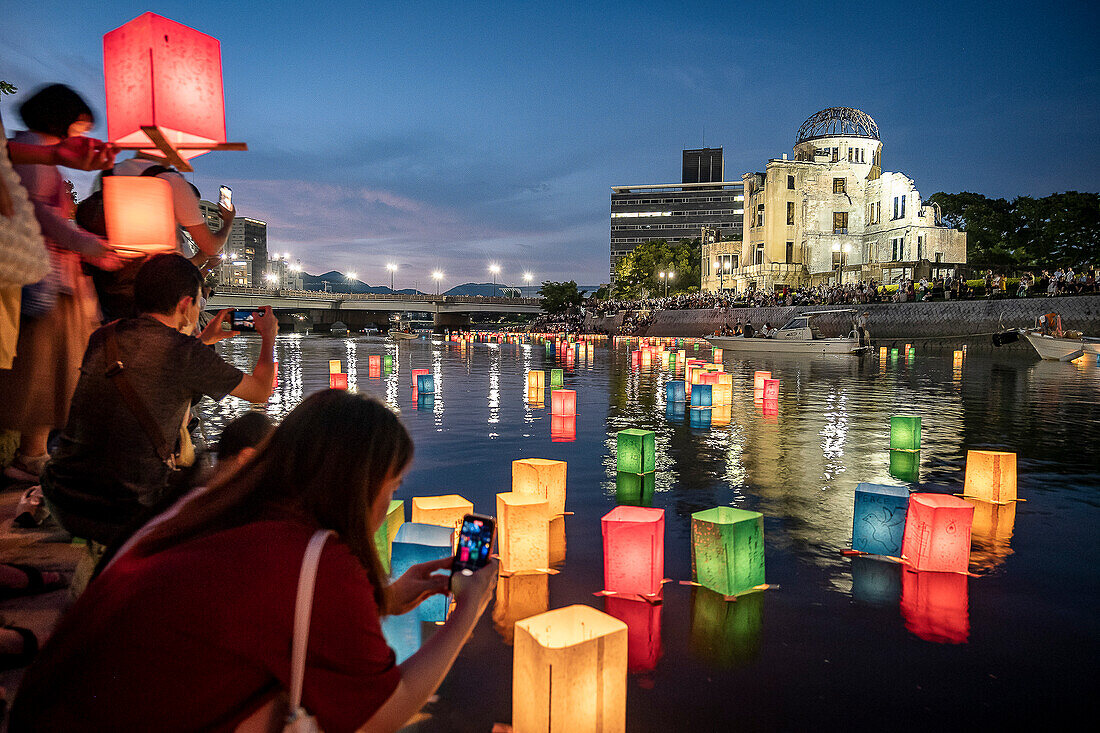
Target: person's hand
267, 323
476, 589
227, 215
213, 333
106, 260
417, 585
84, 153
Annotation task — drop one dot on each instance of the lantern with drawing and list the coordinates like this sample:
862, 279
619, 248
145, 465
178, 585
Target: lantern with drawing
523, 533
905, 432
771, 390
937, 533
541, 478
727, 549
879, 521
636, 450
990, 476
633, 550
139, 214
569, 672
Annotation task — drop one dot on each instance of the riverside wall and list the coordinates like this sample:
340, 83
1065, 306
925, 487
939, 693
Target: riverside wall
949, 323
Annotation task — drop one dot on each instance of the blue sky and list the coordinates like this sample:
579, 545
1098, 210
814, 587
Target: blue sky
451, 135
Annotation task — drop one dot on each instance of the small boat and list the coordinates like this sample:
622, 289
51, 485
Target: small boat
800, 336
1052, 343
402, 335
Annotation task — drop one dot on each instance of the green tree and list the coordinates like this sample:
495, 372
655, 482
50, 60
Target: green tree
559, 297
989, 225
7, 87
638, 274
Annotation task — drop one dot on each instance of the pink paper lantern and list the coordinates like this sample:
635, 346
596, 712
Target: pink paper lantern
771, 389
563, 402
633, 550
937, 533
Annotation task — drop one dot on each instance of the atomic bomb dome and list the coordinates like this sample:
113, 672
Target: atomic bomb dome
838, 122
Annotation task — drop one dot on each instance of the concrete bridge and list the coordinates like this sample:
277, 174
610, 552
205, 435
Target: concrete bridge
298, 309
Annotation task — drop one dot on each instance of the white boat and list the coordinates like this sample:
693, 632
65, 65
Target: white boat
402, 335
1062, 348
799, 336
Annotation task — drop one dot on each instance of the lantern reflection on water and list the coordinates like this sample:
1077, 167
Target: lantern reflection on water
905, 432
875, 581
725, 634
139, 214
879, 520
541, 478
699, 418
991, 533
442, 511
634, 489
636, 450
536, 398
990, 476
563, 402
905, 465
727, 549
675, 411
385, 534
569, 672
935, 606
937, 533
563, 429
519, 597
643, 635
633, 550
721, 416
523, 533
417, 543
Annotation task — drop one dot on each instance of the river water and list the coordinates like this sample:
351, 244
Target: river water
839, 643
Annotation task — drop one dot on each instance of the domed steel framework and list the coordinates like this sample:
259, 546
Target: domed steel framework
838, 122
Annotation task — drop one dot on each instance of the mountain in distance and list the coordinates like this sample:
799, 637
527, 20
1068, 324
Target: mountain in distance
338, 283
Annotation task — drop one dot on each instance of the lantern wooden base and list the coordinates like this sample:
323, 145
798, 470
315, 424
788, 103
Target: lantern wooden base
171, 150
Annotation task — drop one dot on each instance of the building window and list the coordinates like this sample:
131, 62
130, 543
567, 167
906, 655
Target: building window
840, 222
903, 207
790, 213
836, 155
878, 212
790, 253
838, 185
895, 207
920, 246
896, 248
760, 215
939, 257
790, 182
758, 255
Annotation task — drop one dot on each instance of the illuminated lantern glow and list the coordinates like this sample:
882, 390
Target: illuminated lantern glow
675, 411
699, 418
721, 416
935, 606
557, 541
563, 429
541, 478
335, 366
442, 511
635, 359
646, 358
536, 379
716, 354
425, 384
416, 543
771, 389
876, 582
384, 535
727, 635
387, 362
758, 381
991, 533
163, 84
519, 597
338, 381
905, 465
879, 521
523, 533
563, 402
722, 390
894, 354
636, 450
633, 550
937, 533
569, 672
770, 408
424, 401
882, 352
709, 378
727, 549
275, 376
643, 630
139, 214
990, 476
634, 489
701, 395
674, 391
416, 373
905, 432
536, 397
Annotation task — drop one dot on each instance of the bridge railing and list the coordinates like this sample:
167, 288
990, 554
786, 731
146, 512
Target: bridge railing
420, 298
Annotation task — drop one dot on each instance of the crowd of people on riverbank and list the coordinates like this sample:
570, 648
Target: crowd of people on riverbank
186, 589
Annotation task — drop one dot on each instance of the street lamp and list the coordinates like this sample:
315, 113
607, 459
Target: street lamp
495, 269
437, 275
527, 277
392, 268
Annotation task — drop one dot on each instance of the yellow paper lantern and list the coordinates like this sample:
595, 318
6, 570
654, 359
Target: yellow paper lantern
536, 379
569, 672
722, 392
442, 511
519, 597
335, 366
541, 478
990, 476
557, 541
523, 533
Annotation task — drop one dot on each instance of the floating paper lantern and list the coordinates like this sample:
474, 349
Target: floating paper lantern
957, 357
139, 214
716, 354
541, 478
569, 672
163, 84
519, 597
416, 543
876, 582
882, 352
633, 550
758, 381
674, 391
935, 606
416, 373
727, 635
374, 367
338, 381
536, 379
647, 358
563, 429
905, 432
879, 521
701, 395
335, 366
275, 376
722, 391
894, 354
727, 549
387, 362
635, 359
425, 384
634, 489
387, 531
442, 511
771, 389
990, 476
937, 533
563, 402
523, 533
905, 465
699, 418
636, 450
643, 630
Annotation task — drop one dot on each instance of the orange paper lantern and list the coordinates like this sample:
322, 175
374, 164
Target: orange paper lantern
335, 366
442, 511
519, 597
139, 214
937, 533
523, 533
990, 476
543, 479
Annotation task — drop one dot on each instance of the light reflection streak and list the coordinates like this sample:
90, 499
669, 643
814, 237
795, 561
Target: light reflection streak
351, 365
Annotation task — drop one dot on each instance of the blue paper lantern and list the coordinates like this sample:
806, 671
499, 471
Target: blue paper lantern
876, 582
700, 395
674, 391
879, 522
403, 634
425, 384
417, 543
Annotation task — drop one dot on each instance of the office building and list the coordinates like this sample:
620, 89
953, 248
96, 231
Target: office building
247, 243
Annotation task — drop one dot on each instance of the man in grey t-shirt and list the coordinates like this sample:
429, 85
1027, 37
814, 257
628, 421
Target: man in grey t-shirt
109, 465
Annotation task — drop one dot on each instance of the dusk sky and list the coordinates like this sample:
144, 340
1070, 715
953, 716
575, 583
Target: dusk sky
451, 135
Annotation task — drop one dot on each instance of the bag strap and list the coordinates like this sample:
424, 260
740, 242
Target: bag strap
116, 373
303, 609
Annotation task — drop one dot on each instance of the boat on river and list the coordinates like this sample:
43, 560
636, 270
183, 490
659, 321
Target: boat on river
799, 336
403, 335
1050, 341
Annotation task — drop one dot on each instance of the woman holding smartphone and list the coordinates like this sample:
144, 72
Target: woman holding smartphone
191, 628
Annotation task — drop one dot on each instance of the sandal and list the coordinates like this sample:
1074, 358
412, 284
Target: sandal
23, 658
35, 583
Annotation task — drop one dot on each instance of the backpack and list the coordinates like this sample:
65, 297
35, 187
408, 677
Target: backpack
89, 212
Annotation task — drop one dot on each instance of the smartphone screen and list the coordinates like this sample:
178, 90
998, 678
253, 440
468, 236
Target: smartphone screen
225, 197
244, 321
475, 541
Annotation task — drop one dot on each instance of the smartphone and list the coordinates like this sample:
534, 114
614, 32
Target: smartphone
475, 541
225, 197
244, 321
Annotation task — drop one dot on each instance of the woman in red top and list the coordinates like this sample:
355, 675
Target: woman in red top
191, 629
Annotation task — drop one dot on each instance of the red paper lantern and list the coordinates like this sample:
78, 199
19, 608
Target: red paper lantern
139, 214
416, 373
937, 533
771, 389
563, 402
643, 630
374, 366
935, 606
563, 429
633, 550
163, 80
339, 380
275, 376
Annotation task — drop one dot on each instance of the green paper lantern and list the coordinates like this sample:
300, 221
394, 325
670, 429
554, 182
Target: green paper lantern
671, 359
727, 549
634, 489
557, 378
905, 432
383, 538
387, 362
905, 465
636, 450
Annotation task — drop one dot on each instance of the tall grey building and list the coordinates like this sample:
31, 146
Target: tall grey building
703, 166
247, 241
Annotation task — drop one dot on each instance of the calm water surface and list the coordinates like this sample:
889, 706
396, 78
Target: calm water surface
839, 643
